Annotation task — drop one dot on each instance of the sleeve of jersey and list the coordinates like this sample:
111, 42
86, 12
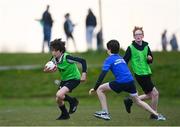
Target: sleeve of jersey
72, 59
53, 60
106, 65
100, 79
150, 53
127, 55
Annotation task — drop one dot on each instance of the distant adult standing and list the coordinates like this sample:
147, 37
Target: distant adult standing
90, 26
164, 40
99, 40
47, 23
68, 29
174, 43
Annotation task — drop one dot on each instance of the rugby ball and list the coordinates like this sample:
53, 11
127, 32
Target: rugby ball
50, 65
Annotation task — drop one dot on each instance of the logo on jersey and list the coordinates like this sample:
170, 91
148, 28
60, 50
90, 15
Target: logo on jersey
118, 61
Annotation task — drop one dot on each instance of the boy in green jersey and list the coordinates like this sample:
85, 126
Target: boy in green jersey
140, 56
70, 76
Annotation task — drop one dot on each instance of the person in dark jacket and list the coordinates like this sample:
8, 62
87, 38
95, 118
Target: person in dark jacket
174, 43
47, 23
68, 29
90, 26
164, 41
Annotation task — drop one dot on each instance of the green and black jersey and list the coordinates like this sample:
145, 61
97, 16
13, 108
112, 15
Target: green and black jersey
68, 68
138, 56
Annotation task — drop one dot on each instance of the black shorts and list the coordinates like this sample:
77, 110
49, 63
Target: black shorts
119, 87
70, 84
145, 83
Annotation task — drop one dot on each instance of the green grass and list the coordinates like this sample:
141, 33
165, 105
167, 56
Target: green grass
43, 111
23, 58
27, 97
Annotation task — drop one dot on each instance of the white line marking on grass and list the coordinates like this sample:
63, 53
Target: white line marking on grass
31, 67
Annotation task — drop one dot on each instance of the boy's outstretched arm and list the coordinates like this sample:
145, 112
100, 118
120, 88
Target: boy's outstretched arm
98, 82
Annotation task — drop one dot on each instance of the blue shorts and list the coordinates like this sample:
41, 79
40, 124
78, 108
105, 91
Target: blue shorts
128, 87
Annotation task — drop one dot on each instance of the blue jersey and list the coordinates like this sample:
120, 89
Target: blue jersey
119, 68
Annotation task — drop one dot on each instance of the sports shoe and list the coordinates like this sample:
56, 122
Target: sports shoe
63, 117
73, 105
102, 114
152, 116
160, 117
128, 103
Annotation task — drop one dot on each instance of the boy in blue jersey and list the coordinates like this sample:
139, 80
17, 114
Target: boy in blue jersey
123, 82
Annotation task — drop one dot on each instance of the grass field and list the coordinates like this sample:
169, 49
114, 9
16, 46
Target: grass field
43, 111
27, 96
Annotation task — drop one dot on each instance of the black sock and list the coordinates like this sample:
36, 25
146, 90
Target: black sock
63, 109
68, 98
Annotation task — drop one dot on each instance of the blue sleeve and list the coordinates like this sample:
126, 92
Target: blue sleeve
106, 65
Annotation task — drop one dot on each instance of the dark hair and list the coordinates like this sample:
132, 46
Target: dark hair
66, 15
58, 44
114, 46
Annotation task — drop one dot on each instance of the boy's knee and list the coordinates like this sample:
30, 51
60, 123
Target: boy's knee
155, 93
100, 89
60, 96
137, 101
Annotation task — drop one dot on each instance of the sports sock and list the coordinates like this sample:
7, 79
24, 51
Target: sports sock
63, 109
68, 98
